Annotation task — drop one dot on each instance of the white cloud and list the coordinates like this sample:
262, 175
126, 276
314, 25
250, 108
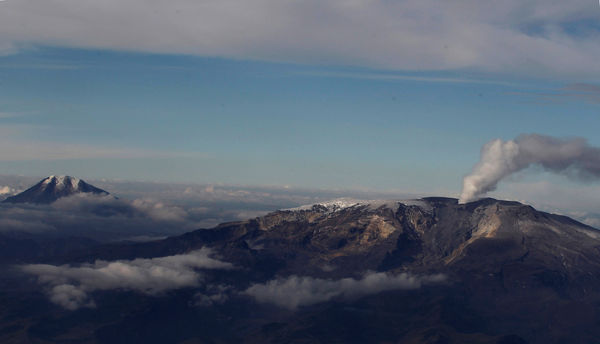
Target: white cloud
214, 294
6, 190
102, 217
159, 210
70, 286
295, 291
70, 297
532, 37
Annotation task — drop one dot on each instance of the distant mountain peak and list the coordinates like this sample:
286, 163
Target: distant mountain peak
50, 189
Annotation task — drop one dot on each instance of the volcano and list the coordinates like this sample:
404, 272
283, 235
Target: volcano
53, 188
511, 274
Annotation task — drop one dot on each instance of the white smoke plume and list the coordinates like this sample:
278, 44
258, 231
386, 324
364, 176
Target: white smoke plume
573, 157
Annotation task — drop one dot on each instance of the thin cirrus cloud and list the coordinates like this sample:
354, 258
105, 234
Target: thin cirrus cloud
575, 91
14, 146
588, 92
8, 115
541, 38
296, 291
70, 286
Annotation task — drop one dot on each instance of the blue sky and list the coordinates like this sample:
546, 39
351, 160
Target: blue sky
337, 111
223, 120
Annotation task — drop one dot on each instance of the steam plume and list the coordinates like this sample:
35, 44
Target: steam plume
499, 159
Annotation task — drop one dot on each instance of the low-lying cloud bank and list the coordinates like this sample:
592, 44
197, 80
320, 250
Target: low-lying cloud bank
294, 291
70, 286
101, 217
146, 209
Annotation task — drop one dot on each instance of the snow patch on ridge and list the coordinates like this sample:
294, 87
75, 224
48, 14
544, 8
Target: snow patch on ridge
332, 206
339, 204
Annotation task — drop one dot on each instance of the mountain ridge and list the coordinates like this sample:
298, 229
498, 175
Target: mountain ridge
441, 230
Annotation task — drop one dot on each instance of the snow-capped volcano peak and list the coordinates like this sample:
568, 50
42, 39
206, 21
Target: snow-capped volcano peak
62, 182
52, 188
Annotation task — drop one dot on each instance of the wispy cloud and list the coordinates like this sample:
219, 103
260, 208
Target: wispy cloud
16, 144
578, 91
516, 37
8, 115
587, 92
294, 291
47, 66
405, 77
70, 286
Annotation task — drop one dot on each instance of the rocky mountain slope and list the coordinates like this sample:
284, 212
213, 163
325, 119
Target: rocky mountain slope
427, 234
511, 275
